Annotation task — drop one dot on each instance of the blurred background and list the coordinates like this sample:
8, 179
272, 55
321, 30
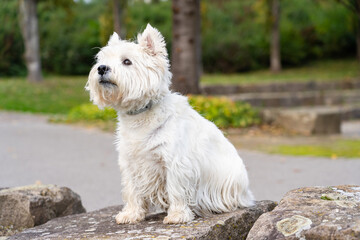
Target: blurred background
279, 77
235, 35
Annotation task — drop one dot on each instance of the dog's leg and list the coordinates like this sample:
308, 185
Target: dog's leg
180, 190
135, 208
178, 213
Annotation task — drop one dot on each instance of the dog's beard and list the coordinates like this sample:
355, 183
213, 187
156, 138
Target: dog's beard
103, 91
109, 92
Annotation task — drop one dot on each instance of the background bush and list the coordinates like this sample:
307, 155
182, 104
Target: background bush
235, 34
11, 45
223, 112
90, 112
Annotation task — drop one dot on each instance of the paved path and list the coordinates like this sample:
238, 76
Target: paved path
31, 149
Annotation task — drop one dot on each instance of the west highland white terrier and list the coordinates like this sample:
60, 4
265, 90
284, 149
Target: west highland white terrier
169, 155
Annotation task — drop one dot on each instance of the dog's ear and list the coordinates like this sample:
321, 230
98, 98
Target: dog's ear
114, 38
152, 41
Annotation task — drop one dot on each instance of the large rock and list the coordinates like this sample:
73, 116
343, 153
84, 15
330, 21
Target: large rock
307, 120
29, 206
316, 213
101, 225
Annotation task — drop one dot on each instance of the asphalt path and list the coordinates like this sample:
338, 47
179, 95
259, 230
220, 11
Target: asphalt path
33, 150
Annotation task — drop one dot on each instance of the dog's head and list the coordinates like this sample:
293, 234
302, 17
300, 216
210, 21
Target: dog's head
127, 75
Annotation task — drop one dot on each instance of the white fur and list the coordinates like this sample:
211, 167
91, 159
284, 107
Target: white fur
169, 155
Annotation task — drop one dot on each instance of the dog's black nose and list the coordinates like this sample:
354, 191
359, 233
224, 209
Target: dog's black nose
102, 69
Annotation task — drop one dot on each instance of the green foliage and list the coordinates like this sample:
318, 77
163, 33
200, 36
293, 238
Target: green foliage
139, 14
231, 40
224, 112
11, 46
69, 36
90, 112
236, 33
315, 29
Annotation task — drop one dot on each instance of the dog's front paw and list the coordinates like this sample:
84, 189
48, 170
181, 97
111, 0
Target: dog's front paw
129, 217
179, 217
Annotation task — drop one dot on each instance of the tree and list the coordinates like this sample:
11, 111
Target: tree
30, 33
118, 7
186, 46
275, 56
354, 6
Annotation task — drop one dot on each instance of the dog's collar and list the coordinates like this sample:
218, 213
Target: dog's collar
137, 111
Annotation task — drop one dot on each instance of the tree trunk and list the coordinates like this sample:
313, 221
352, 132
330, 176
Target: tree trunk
358, 29
358, 39
186, 46
198, 42
117, 17
30, 33
275, 58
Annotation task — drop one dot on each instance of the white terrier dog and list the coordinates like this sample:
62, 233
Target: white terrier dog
169, 155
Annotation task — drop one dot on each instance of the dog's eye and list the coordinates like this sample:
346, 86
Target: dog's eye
127, 62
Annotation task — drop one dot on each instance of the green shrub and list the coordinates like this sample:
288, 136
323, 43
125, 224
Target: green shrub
11, 45
69, 35
222, 111
90, 112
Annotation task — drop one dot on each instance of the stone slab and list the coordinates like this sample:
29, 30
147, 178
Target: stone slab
313, 213
296, 99
226, 89
29, 206
101, 224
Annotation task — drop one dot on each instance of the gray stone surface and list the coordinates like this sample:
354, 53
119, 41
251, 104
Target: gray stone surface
308, 121
101, 224
313, 213
29, 206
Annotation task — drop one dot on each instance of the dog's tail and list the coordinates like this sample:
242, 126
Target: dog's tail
221, 194
246, 198
236, 192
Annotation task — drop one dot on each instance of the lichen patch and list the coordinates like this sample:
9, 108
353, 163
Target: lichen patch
293, 225
346, 204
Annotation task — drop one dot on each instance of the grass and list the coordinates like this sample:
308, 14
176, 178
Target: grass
326, 70
56, 95
345, 148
